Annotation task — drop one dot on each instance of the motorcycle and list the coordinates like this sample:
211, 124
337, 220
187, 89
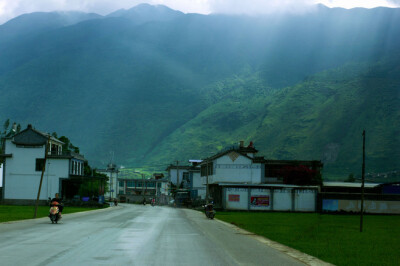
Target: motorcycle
54, 214
209, 211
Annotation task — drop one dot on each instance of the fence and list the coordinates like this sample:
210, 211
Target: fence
351, 203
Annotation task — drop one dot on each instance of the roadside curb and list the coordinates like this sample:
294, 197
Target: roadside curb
294, 253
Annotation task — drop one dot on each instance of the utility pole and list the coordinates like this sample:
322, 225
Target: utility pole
110, 184
207, 192
41, 177
362, 183
177, 176
144, 198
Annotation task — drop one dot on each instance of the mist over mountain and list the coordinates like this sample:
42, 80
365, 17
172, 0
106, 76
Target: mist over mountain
155, 85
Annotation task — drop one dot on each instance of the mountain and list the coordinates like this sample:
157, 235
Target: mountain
143, 13
38, 22
319, 118
155, 85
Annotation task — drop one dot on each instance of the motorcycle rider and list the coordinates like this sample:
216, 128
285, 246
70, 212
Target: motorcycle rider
57, 202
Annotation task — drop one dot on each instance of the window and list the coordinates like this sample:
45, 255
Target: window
39, 164
274, 170
205, 167
186, 177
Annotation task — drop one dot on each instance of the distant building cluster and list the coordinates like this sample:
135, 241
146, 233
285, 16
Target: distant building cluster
233, 179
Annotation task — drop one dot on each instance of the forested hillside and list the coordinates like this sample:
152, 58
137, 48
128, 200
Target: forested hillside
320, 118
155, 85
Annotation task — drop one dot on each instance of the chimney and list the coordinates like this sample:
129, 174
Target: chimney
241, 144
29, 126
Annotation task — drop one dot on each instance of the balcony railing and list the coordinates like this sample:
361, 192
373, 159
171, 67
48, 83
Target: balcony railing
64, 153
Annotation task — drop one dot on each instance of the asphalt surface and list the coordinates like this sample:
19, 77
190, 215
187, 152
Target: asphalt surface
133, 235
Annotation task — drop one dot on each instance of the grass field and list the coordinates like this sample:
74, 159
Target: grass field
332, 238
14, 213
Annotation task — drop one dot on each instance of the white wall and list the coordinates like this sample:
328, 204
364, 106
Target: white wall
236, 198
198, 185
283, 199
305, 200
1, 175
22, 180
270, 198
241, 170
164, 188
114, 185
173, 175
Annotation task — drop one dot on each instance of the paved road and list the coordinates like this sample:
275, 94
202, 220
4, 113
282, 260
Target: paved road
133, 235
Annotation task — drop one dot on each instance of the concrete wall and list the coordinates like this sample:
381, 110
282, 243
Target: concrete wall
173, 175
370, 206
270, 199
241, 170
236, 198
1, 175
198, 185
305, 200
22, 180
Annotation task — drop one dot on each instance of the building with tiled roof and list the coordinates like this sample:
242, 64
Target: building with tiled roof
24, 158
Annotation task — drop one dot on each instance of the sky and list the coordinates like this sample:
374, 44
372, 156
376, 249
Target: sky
12, 8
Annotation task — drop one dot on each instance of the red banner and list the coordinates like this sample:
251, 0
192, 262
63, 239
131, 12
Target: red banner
234, 197
260, 201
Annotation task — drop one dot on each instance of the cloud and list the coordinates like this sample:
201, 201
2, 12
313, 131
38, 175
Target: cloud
361, 3
186, 6
12, 8
260, 6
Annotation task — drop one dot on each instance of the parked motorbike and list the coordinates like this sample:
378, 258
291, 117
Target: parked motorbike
209, 210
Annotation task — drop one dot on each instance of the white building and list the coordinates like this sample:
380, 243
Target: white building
239, 166
198, 189
189, 178
113, 187
176, 172
237, 179
24, 157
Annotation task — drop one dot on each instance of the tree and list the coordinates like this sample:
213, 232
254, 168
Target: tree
301, 175
68, 146
8, 132
350, 178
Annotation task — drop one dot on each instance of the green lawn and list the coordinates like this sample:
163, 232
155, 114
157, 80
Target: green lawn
14, 213
332, 238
